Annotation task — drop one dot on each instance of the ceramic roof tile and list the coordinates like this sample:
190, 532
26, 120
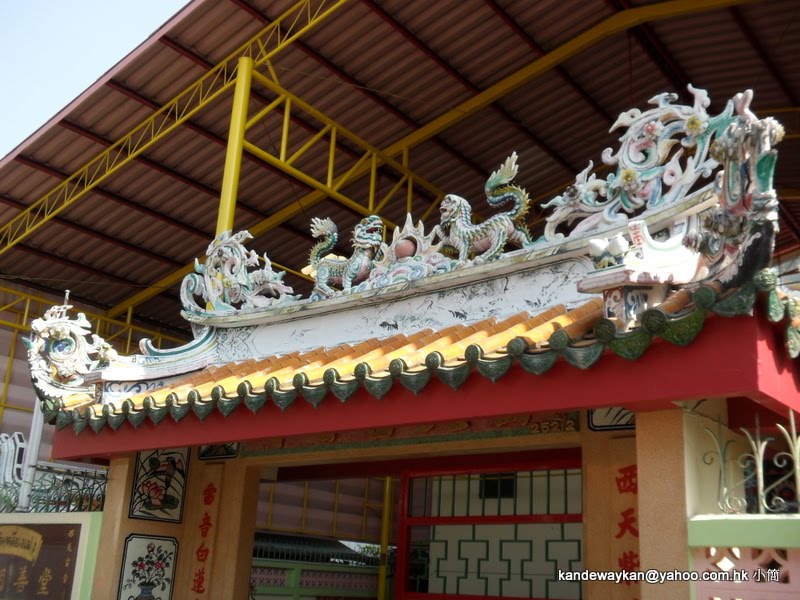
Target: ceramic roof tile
492, 335
579, 336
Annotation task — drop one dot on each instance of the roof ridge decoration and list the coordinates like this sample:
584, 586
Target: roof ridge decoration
727, 248
673, 322
648, 174
667, 156
367, 238
61, 352
730, 243
230, 276
486, 240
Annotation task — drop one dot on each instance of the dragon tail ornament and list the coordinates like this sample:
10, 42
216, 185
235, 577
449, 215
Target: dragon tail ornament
499, 192
328, 234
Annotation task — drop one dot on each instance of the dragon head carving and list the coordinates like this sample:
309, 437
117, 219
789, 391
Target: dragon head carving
368, 233
451, 207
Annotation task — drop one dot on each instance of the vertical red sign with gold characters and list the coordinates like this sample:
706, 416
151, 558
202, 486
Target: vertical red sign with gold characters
625, 515
37, 561
205, 532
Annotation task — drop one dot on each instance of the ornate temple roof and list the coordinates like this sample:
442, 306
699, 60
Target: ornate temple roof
580, 337
645, 255
385, 70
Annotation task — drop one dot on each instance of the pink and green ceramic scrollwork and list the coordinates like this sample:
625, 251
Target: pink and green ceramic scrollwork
664, 156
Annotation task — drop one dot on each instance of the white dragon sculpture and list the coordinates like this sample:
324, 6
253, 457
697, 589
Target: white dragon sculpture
486, 240
231, 278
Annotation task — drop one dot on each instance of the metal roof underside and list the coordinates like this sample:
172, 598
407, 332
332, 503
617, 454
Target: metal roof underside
382, 69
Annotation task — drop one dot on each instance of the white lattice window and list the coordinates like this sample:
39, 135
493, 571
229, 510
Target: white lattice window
762, 573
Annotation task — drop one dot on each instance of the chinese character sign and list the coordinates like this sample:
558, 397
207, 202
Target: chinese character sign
38, 560
624, 542
204, 515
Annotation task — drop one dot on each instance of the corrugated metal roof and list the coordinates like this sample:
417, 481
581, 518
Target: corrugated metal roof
380, 69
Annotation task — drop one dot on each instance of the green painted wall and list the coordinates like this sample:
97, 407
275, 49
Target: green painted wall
745, 531
92, 540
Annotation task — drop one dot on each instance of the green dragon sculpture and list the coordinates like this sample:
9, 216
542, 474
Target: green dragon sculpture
367, 238
487, 239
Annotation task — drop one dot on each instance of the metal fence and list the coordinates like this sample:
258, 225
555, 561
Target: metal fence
762, 479
57, 488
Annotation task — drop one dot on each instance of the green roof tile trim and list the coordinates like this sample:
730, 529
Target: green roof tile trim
78, 423
583, 357
452, 376
680, 330
780, 308
226, 405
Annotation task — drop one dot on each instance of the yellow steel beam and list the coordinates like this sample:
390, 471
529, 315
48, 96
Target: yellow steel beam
26, 307
273, 38
367, 162
783, 109
233, 152
617, 23
12, 348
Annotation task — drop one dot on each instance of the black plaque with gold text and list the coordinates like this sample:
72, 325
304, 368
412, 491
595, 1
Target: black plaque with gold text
37, 561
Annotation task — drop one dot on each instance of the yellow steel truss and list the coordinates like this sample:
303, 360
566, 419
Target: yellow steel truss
276, 36
341, 168
372, 158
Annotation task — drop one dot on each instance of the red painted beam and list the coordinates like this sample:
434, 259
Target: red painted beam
731, 357
778, 376
431, 466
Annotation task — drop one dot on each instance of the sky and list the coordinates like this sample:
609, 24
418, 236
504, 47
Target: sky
52, 50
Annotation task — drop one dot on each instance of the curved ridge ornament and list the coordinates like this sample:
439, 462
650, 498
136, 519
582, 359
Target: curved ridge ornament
230, 279
669, 156
61, 351
737, 237
663, 154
